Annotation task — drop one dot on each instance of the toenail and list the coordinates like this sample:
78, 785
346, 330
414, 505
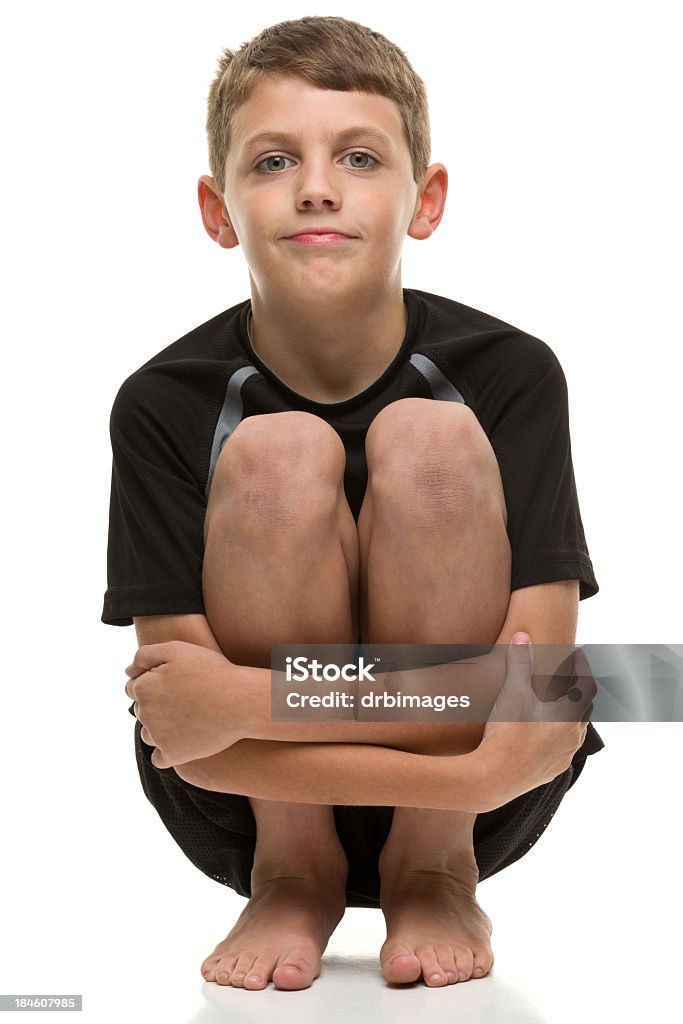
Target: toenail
435, 977
253, 977
478, 970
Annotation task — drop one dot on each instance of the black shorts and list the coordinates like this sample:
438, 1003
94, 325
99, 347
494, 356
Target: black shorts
217, 831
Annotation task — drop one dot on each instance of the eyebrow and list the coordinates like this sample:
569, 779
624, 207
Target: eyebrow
357, 132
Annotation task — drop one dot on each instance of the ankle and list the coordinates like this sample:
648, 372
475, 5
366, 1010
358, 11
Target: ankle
429, 839
329, 871
456, 866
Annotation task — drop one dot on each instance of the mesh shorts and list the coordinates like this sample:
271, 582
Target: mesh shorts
217, 831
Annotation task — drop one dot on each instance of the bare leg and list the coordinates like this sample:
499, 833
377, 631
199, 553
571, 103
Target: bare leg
281, 566
435, 568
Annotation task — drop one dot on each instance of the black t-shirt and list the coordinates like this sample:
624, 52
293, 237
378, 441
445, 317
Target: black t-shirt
172, 416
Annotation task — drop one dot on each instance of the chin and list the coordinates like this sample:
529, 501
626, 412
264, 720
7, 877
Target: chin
328, 283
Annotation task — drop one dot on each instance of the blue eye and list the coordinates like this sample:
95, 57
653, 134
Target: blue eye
270, 160
359, 160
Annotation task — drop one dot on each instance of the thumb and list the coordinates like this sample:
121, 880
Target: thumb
149, 656
520, 654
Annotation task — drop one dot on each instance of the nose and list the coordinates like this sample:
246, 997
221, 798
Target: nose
316, 187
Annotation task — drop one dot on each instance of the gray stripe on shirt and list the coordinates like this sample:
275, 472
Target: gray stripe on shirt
439, 384
230, 416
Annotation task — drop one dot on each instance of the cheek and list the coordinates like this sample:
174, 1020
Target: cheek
262, 216
250, 222
395, 229
392, 219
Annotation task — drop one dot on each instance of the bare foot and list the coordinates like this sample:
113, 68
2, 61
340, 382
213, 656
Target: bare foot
436, 930
281, 934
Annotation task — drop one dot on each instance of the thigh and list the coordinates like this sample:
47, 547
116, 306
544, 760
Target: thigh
434, 552
280, 546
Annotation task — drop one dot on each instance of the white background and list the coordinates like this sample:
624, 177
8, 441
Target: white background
560, 128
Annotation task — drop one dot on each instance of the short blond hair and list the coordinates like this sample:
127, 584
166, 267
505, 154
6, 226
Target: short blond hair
332, 53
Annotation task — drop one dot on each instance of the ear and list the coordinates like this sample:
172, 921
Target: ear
431, 201
215, 214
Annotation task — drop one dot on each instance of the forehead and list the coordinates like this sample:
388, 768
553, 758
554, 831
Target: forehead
287, 105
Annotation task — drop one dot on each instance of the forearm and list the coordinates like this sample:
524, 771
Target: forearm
330, 773
458, 731
252, 710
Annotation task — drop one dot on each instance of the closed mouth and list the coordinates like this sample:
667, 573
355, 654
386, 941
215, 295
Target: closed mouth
321, 233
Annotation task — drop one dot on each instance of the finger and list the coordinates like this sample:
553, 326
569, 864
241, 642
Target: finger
520, 657
581, 691
158, 759
133, 670
150, 655
583, 673
129, 689
145, 736
576, 701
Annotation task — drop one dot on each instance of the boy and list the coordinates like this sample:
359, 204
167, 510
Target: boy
338, 460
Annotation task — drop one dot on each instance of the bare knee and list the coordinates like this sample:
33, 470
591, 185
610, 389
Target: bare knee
280, 465
434, 457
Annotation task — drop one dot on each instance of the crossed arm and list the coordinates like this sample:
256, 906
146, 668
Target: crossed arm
362, 762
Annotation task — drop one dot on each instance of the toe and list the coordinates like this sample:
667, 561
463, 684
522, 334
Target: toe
213, 963
432, 971
400, 965
464, 959
208, 969
224, 968
483, 962
260, 973
255, 980
293, 972
446, 959
242, 968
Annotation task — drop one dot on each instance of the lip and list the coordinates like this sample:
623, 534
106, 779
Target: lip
319, 236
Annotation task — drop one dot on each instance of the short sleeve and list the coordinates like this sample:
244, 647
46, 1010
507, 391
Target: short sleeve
156, 511
529, 433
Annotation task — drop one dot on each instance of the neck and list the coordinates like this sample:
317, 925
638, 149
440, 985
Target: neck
328, 351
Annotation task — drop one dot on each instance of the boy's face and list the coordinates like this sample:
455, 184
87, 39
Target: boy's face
319, 191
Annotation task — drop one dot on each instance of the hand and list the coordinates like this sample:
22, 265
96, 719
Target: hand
528, 742
186, 700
